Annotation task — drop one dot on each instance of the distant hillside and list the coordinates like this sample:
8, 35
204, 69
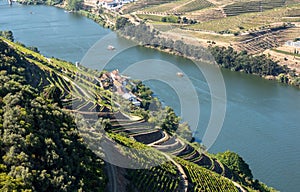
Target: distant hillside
226, 23
257, 26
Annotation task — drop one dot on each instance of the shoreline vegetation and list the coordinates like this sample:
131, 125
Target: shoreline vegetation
138, 31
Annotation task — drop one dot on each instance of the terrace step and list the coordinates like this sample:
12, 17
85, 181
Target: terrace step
170, 145
187, 150
217, 167
172, 140
204, 161
135, 131
227, 172
149, 137
252, 6
125, 124
194, 155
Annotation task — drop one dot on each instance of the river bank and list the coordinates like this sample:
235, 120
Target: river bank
117, 22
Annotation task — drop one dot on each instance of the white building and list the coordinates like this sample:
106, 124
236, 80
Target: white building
293, 43
132, 98
113, 4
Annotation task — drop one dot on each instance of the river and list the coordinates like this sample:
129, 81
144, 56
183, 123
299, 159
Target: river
262, 117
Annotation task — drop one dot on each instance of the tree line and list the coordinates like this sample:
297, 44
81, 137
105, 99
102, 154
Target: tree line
73, 5
226, 57
147, 36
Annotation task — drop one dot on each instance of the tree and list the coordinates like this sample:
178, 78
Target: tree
184, 131
74, 5
235, 163
184, 20
170, 19
53, 93
122, 22
7, 34
35, 49
171, 121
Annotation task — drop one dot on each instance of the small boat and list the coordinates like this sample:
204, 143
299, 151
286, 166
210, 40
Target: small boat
179, 74
110, 47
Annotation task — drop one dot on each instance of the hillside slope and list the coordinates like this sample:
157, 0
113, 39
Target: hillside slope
40, 147
53, 116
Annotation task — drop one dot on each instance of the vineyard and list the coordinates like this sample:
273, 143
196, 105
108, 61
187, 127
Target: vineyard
79, 91
74, 89
204, 15
194, 5
249, 22
224, 23
201, 179
164, 178
257, 42
180, 148
131, 7
36, 86
166, 7
205, 169
180, 6
144, 133
252, 6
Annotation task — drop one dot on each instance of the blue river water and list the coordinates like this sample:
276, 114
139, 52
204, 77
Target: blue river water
262, 117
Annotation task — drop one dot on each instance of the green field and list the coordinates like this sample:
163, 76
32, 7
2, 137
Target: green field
150, 17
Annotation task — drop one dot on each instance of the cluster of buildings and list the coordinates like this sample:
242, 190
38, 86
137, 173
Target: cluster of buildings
113, 4
108, 4
293, 43
118, 83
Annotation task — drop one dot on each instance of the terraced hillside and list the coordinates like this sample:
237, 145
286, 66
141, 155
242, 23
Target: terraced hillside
208, 14
185, 152
144, 180
257, 42
145, 133
141, 4
80, 92
226, 22
252, 6
250, 22
202, 180
41, 149
180, 6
